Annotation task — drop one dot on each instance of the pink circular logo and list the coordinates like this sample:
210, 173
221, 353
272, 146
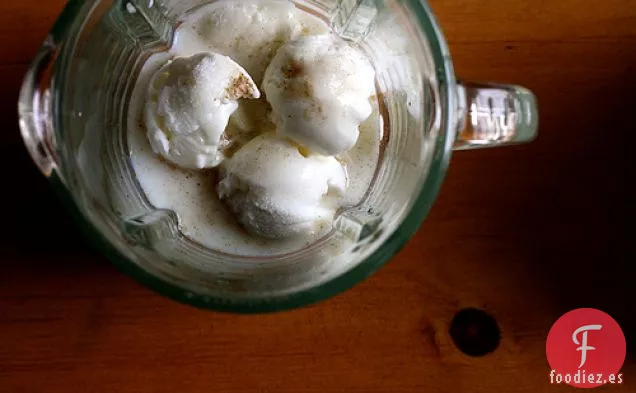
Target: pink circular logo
586, 348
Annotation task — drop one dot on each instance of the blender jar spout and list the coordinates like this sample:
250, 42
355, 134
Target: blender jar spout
34, 109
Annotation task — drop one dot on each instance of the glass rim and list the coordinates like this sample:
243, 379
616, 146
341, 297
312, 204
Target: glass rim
393, 244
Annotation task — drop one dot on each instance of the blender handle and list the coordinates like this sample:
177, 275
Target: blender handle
495, 115
34, 109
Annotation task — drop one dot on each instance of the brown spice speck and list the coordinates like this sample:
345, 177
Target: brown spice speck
303, 151
291, 70
239, 88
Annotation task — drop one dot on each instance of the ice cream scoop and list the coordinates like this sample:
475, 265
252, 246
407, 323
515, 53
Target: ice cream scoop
276, 192
189, 103
319, 89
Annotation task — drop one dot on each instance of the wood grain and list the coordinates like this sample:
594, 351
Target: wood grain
525, 233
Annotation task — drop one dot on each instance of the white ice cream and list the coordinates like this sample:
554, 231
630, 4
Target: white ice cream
189, 104
276, 192
319, 88
250, 33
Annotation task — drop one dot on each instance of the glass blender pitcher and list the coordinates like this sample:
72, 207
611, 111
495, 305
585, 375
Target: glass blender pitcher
73, 109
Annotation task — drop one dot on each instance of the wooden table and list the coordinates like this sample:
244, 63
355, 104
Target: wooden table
524, 233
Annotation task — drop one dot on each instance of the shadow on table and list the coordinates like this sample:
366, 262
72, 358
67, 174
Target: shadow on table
579, 210
40, 228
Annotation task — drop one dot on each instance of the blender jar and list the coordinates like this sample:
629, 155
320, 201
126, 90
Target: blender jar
73, 113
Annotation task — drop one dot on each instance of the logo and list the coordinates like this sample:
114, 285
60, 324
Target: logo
586, 348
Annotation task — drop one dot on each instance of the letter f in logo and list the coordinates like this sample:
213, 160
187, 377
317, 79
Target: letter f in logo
584, 347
